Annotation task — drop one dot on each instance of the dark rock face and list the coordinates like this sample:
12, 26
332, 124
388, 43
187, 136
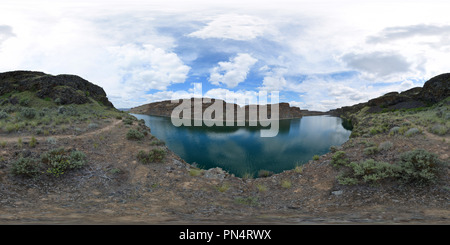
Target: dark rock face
436, 89
67, 89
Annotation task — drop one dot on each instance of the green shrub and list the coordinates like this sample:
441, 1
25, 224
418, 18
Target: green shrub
58, 161
3, 115
286, 184
339, 159
195, 171
128, 121
385, 146
19, 142
374, 131
50, 140
419, 167
261, 187
157, 142
134, 134
25, 166
223, 188
371, 150
403, 129
369, 171
24, 101
33, 141
250, 201
92, 126
316, 157
155, 155
77, 159
345, 180
28, 113
333, 148
438, 129
395, 130
372, 171
411, 132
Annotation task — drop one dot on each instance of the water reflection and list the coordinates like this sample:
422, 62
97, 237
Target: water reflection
241, 150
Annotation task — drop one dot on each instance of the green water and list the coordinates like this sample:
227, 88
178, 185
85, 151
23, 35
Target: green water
241, 150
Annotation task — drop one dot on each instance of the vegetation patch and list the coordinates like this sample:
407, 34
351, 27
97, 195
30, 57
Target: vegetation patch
154, 155
438, 129
134, 134
28, 113
58, 161
195, 172
286, 184
417, 167
249, 201
385, 146
339, 159
371, 150
55, 162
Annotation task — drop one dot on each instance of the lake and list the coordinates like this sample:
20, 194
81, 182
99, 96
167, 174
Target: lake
241, 150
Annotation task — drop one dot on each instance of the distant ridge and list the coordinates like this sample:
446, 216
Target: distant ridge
165, 108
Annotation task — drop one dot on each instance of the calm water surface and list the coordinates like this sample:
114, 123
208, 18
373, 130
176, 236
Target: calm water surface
241, 150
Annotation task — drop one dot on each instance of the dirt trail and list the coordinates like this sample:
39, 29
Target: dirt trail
9, 139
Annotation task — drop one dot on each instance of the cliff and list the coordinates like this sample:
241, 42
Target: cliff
65, 89
165, 108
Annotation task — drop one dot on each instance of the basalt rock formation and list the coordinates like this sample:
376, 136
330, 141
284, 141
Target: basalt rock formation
433, 91
165, 108
66, 89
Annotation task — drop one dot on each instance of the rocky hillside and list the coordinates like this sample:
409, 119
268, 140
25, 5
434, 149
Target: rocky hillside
41, 104
434, 90
63, 89
165, 108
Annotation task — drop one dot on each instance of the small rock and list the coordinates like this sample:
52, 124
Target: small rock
215, 173
337, 193
179, 163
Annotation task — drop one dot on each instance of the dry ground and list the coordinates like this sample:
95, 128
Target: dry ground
114, 188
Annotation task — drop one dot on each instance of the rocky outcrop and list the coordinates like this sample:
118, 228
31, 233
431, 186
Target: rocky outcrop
65, 89
436, 89
433, 91
165, 108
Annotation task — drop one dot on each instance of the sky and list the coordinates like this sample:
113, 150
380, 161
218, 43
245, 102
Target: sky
319, 55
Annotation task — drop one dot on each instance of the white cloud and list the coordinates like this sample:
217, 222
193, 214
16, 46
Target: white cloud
390, 34
5, 33
378, 64
274, 80
233, 26
147, 67
233, 72
324, 93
